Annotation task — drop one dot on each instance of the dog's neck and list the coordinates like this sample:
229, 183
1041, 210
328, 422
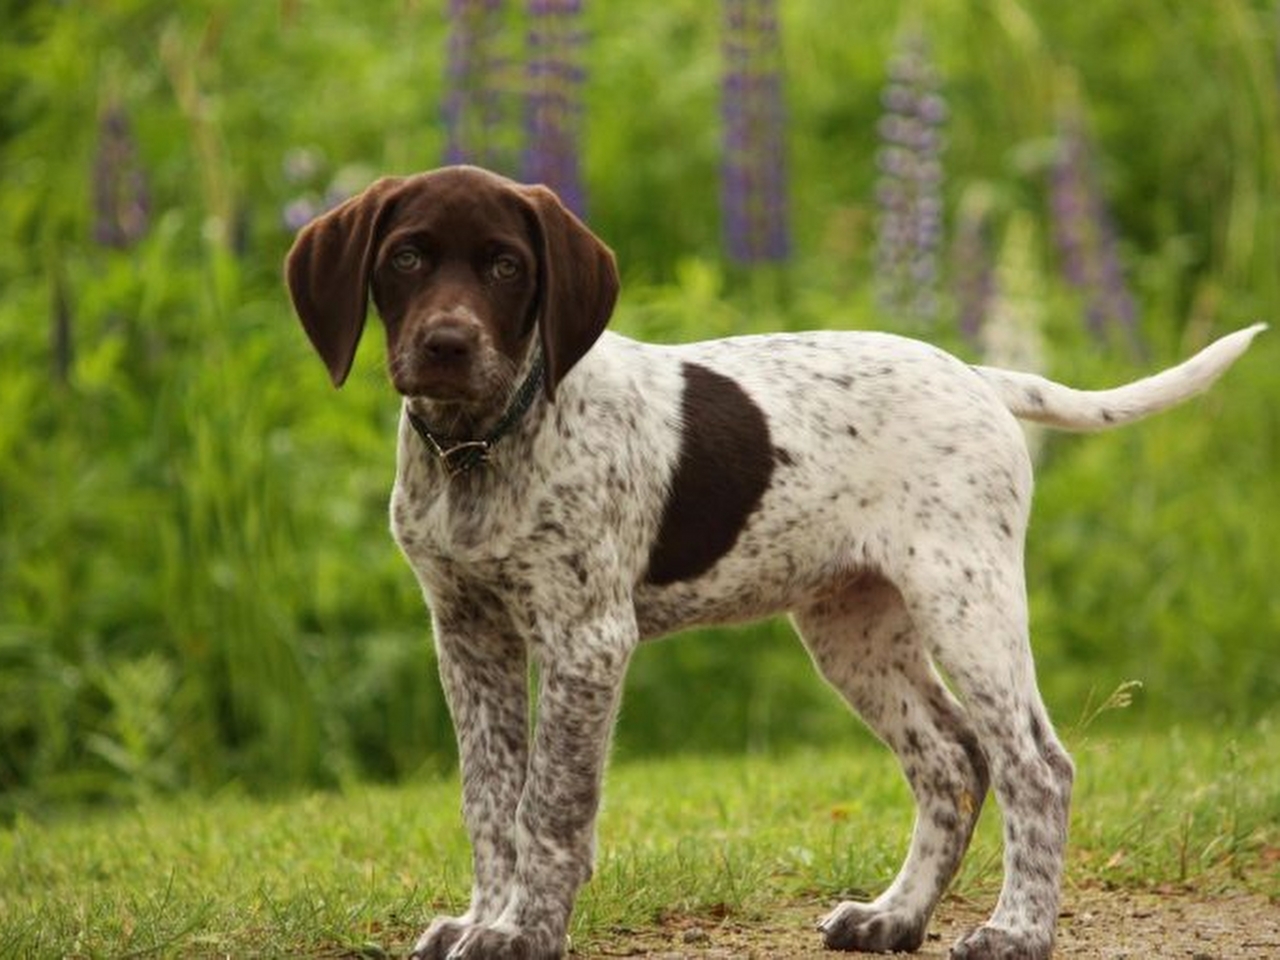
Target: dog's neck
461, 439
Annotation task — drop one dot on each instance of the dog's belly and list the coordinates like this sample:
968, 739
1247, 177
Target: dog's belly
669, 609
812, 531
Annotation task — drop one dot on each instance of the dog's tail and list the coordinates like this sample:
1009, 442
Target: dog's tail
1032, 397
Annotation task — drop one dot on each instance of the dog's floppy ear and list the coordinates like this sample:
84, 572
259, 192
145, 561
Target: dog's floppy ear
577, 285
328, 272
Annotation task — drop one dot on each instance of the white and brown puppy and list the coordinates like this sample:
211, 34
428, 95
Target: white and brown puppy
563, 493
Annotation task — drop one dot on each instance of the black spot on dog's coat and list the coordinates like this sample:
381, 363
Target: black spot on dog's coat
724, 468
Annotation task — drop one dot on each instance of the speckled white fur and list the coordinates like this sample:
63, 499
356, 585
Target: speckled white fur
891, 529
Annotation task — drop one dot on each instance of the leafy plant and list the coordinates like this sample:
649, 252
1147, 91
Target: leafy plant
196, 586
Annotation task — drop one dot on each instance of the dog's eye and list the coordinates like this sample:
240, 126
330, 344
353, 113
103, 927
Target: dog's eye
505, 266
406, 260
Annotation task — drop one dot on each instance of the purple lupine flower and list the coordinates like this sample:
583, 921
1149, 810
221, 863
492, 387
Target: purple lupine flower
121, 199
300, 211
909, 189
973, 270
302, 168
302, 165
553, 100
753, 191
479, 102
318, 192
1012, 335
1086, 236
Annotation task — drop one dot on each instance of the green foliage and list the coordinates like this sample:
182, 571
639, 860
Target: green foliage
1152, 550
196, 585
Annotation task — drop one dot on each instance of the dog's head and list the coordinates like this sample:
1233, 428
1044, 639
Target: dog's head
463, 266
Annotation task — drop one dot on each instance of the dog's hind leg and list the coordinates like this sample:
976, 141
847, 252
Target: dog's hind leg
865, 645
969, 602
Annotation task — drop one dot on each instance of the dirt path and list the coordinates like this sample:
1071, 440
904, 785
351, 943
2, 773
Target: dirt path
1095, 925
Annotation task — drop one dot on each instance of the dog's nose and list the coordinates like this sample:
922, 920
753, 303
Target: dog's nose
450, 345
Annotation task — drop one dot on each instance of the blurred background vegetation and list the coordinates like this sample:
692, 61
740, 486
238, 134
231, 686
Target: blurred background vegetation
196, 583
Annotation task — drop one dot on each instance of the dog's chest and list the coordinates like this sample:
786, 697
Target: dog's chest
561, 520
453, 524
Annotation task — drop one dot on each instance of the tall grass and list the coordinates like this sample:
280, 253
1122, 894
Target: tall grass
196, 585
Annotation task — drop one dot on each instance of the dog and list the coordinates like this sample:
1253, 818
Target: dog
563, 493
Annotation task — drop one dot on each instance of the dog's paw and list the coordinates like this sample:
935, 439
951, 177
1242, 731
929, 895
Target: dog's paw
1000, 943
863, 926
439, 938
497, 943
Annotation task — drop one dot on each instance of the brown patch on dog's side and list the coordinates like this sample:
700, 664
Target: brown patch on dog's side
726, 461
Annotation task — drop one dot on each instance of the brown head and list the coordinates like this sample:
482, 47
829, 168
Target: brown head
463, 266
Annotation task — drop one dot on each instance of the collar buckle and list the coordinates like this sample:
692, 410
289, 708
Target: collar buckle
459, 457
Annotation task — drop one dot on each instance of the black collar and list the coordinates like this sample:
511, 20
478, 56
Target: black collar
459, 456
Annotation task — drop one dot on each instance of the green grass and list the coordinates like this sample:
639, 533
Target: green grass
362, 870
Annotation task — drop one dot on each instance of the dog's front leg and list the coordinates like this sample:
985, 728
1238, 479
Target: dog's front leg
582, 671
484, 672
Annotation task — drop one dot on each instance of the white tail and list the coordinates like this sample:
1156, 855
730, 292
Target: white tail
1032, 397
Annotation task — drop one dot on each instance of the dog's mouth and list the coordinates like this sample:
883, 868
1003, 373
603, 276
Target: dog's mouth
416, 377
453, 396
436, 391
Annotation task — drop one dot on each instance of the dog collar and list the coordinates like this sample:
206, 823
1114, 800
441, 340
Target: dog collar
460, 456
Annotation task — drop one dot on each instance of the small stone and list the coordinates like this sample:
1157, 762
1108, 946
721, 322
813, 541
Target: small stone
695, 935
